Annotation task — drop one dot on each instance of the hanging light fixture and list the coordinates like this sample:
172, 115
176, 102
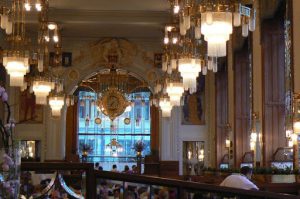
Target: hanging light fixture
41, 87
42, 84
175, 90
16, 59
214, 19
57, 99
189, 69
165, 106
56, 103
218, 18
38, 5
216, 28
27, 5
16, 65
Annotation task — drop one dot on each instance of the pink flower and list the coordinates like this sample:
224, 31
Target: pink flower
7, 160
11, 191
5, 167
6, 185
11, 124
2, 90
4, 96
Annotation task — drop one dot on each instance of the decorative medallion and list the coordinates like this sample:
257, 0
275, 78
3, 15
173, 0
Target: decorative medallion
127, 121
113, 103
98, 120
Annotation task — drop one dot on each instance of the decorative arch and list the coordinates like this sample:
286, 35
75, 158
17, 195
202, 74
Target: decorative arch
89, 60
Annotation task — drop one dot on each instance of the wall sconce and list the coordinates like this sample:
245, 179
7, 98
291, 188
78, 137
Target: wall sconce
201, 155
253, 135
294, 138
296, 121
227, 143
189, 154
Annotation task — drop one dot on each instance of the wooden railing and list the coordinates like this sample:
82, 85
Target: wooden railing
183, 189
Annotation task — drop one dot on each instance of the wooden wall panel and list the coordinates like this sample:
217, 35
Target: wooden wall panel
169, 169
71, 134
242, 103
154, 111
274, 87
221, 113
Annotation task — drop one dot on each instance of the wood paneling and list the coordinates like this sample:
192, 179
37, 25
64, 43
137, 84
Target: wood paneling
168, 169
71, 134
274, 90
242, 103
221, 112
154, 111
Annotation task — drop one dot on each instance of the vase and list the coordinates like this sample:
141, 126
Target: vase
10, 161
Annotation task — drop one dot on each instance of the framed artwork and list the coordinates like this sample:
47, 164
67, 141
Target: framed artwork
29, 111
193, 110
66, 59
158, 60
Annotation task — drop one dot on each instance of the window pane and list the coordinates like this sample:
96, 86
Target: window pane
133, 125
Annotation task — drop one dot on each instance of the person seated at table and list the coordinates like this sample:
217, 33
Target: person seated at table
240, 180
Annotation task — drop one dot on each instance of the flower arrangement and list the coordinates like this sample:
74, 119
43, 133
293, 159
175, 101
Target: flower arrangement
7, 125
10, 155
139, 146
85, 149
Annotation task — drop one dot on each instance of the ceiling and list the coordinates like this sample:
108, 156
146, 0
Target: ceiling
114, 18
136, 19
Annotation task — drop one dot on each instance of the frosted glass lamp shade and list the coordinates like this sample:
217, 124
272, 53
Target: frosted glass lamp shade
166, 107
216, 28
56, 104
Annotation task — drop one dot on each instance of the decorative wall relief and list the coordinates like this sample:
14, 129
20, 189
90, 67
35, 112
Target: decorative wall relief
73, 74
96, 54
158, 60
193, 110
29, 112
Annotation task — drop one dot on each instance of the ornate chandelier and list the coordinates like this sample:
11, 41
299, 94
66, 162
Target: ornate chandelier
6, 23
56, 103
211, 21
16, 59
165, 106
41, 87
113, 99
189, 69
175, 90
16, 65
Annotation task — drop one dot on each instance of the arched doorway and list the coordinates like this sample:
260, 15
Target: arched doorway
112, 141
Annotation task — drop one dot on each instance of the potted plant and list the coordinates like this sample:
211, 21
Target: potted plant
85, 150
283, 175
138, 147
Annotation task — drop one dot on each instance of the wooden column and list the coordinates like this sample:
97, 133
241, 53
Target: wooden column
221, 112
273, 56
242, 103
71, 133
154, 111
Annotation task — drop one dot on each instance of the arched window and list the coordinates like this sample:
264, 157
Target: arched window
97, 131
